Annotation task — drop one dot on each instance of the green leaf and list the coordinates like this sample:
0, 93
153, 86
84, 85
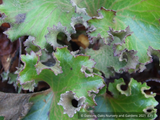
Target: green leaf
30, 45
41, 106
142, 16
73, 83
11, 77
110, 60
34, 17
1, 118
154, 52
132, 100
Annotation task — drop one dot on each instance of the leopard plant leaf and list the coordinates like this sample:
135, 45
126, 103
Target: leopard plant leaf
68, 80
142, 16
109, 59
42, 20
131, 101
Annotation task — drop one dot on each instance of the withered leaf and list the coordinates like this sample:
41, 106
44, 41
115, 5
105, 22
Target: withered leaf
14, 106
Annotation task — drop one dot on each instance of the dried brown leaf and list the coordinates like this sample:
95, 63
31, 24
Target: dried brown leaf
14, 106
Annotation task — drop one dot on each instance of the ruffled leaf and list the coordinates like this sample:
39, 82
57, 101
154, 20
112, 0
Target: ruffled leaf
74, 79
11, 77
141, 16
37, 17
131, 101
110, 59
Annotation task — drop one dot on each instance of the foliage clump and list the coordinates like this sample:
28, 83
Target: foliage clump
77, 47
